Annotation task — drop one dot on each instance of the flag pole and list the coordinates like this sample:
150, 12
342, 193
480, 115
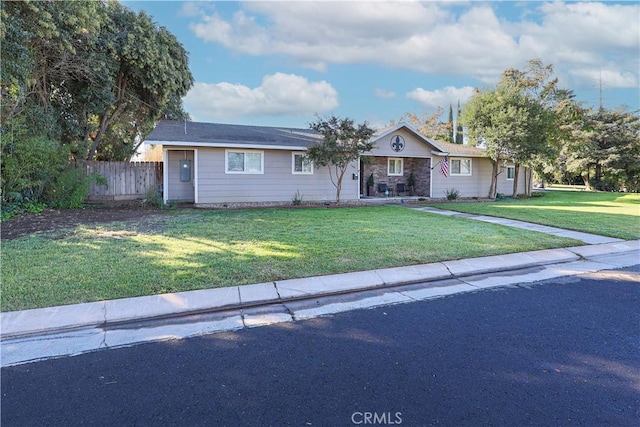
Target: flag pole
436, 165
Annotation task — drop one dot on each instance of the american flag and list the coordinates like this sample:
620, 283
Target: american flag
444, 166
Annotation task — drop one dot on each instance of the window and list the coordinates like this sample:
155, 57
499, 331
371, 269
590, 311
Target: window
460, 166
301, 165
244, 161
511, 172
394, 167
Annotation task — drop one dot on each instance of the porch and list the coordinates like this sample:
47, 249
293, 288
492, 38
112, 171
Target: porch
395, 177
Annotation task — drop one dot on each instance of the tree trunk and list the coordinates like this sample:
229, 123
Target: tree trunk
587, 183
598, 176
493, 188
515, 181
107, 118
339, 185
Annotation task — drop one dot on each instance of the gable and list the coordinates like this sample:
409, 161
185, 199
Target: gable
401, 142
404, 141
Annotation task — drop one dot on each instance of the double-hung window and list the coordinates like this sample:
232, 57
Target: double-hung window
511, 172
394, 167
244, 161
300, 165
461, 167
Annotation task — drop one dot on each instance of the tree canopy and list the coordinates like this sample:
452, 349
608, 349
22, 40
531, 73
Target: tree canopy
343, 143
603, 148
85, 79
89, 70
429, 125
516, 120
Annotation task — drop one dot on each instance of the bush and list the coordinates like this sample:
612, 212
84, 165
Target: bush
452, 194
154, 198
297, 198
70, 188
28, 166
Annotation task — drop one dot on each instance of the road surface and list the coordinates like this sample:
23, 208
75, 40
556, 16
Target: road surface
561, 352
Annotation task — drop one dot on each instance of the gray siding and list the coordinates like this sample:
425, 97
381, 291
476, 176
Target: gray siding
414, 146
476, 185
178, 190
276, 184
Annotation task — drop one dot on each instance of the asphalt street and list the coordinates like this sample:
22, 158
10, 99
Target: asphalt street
560, 352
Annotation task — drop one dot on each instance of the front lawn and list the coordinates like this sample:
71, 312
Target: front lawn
606, 214
195, 249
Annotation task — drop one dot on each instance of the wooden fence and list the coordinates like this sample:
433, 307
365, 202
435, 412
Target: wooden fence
125, 180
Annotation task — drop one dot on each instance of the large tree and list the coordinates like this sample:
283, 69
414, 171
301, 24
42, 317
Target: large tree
88, 78
450, 125
459, 131
429, 125
145, 67
604, 149
516, 120
343, 143
94, 69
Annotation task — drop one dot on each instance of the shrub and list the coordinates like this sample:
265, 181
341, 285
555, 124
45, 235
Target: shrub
297, 198
452, 194
70, 188
29, 165
154, 198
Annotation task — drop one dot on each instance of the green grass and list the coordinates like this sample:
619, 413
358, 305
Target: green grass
607, 214
188, 250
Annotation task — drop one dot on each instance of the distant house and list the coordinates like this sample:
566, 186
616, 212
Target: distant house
212, 164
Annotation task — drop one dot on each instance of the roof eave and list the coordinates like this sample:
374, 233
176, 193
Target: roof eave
449, 154
226, 145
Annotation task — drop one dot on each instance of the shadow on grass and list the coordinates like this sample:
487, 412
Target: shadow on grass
225, 249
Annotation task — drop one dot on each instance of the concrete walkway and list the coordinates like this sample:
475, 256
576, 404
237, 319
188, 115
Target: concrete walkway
31, 335
590, 239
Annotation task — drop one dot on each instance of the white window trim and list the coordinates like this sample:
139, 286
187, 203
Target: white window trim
226, 162
293, 165
461, 159
514, 172
401, 166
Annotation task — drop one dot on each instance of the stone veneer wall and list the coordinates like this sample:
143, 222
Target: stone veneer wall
421, 169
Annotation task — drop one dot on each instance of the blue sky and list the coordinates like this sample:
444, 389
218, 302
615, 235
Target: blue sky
282, 63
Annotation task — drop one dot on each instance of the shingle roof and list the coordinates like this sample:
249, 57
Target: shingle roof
460, 150
198, 133
167, 131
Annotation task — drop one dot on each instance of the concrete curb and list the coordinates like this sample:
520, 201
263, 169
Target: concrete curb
52, 320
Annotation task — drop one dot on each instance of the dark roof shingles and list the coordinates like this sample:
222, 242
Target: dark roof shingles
197, 132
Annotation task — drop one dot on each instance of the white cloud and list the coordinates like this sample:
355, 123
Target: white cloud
196, 8
279, 94
610, 78
385, 94
585, 41
434, 37
441, 97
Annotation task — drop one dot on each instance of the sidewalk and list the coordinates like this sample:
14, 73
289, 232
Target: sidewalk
73, 329
587, 238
